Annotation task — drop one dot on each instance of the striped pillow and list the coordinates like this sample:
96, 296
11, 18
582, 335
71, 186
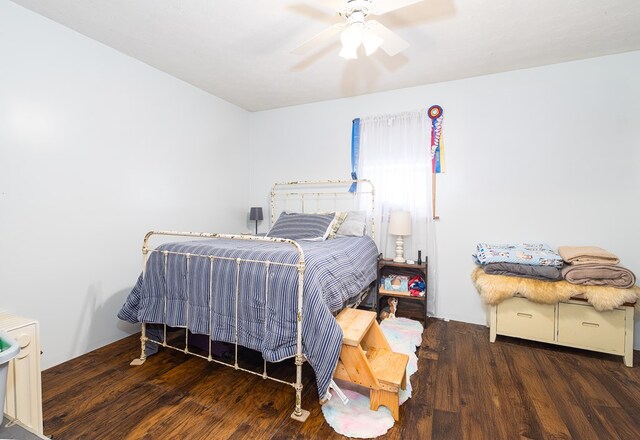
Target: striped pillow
295, 226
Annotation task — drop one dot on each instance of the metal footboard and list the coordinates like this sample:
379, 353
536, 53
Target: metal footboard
298, 412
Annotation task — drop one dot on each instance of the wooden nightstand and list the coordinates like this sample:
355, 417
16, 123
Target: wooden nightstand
408, 306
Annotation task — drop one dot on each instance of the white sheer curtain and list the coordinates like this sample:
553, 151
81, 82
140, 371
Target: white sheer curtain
395, 156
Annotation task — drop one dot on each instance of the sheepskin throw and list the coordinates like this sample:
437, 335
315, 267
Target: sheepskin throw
496, 288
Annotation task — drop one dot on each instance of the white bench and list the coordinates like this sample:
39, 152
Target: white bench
574, 323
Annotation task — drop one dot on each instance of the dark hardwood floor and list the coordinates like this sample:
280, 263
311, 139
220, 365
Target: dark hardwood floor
465, 388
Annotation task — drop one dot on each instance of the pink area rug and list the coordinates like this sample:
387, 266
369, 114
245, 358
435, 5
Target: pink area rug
355, 419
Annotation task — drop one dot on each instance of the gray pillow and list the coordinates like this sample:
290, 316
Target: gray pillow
296, 226
354, 225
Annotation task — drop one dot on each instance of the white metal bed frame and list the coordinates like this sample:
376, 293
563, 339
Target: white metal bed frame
309, 193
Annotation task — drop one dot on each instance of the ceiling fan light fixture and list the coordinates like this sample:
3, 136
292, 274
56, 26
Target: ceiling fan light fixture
351, 39
371, 42
349, 53
357, 30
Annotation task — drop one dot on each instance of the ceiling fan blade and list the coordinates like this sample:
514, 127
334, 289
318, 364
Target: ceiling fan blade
379, 7
391, 42
319, 38
336, 5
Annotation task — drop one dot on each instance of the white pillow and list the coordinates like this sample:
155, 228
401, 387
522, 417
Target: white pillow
355, 225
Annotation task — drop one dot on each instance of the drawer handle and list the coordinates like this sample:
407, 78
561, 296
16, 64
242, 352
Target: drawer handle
591, 324
524, 315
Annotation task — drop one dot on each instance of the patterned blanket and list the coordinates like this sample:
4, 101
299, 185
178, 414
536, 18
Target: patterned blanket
523, 253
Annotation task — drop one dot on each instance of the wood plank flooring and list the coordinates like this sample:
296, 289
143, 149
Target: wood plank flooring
465, 388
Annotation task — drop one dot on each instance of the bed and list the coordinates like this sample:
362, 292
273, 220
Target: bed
275, 295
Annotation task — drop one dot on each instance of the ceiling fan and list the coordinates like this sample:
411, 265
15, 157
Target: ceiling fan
355, 31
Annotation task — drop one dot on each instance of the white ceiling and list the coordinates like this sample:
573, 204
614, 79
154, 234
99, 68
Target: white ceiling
240, 50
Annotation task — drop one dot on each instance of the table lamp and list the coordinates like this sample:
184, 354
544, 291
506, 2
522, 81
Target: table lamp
400, 225
256, 214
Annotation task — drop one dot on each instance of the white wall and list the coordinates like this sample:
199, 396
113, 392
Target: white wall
549, 154
97, 148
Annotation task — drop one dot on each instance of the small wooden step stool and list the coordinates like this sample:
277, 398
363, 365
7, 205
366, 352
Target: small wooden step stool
367, 359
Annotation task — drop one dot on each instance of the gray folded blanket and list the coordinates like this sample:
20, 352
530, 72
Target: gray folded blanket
545, 273
599, 275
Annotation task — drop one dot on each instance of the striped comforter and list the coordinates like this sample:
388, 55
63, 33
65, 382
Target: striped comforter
336, 270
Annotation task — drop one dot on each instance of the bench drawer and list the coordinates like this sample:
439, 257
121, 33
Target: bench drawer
583, 327
522, 318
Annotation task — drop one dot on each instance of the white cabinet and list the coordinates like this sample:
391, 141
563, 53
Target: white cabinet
24, 384
573, 324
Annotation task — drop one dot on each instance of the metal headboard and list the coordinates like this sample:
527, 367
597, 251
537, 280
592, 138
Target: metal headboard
312, 196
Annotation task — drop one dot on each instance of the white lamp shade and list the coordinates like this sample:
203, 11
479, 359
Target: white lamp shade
349, 53
370, 42
352, 35
400, 223
351, 39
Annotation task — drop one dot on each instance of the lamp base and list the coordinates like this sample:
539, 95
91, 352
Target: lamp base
399, 250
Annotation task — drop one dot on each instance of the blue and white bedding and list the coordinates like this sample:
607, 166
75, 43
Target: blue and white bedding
539, 254
336, 270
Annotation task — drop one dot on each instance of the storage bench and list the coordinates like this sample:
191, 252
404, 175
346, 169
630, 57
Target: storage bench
573, 323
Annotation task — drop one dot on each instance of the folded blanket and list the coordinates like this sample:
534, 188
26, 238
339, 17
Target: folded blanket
496, 288
587, 255
599, 275
545, 273
523, 253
